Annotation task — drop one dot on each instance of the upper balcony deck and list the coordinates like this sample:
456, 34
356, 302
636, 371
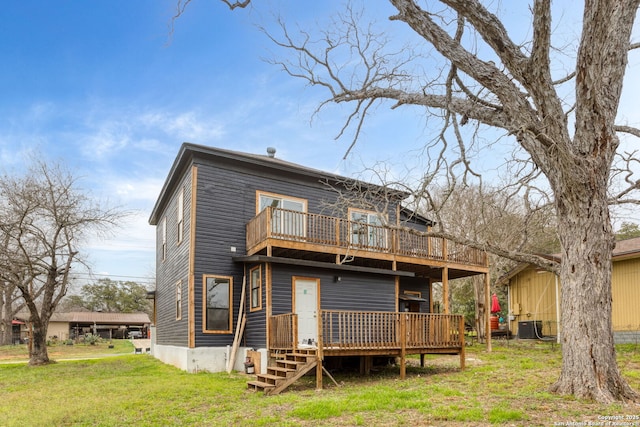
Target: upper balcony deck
276, 228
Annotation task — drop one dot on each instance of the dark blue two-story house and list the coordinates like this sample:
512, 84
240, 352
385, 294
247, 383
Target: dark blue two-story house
295, 264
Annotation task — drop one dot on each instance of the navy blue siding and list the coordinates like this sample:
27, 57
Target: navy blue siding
413, 222
221, 214
225, 203
417, 284
255, 331
174, 268
355, 291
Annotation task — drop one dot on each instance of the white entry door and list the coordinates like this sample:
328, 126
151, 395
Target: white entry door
306, 307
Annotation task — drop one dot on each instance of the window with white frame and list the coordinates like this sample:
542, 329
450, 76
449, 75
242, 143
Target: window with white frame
163, 250
367, 229
181, 215
179, 300
256, 288
288, 215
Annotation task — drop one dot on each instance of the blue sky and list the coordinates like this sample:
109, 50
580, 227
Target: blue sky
105, 87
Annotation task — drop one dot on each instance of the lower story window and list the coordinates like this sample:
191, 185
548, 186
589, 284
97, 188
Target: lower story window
256, 288
217, 309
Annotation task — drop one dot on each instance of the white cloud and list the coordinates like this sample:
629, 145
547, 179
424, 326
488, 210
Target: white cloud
107, 140
184, 126
152, 145
133, 235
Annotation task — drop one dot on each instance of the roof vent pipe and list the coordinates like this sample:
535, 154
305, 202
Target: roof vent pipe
271, 152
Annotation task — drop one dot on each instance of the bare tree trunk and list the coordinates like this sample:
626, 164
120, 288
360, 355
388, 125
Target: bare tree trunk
6, 328
6, 311
478, 290
588, 354
38, 354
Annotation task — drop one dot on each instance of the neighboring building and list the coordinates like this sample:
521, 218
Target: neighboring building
19, 331
534, 296
65, 326
320, 272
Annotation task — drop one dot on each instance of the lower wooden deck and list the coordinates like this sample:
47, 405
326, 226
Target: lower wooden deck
371, 334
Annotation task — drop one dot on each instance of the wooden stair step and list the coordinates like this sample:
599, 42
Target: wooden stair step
290, 362
270, 377
302, 369
278, 355
299, 356
275, 370
259, 385
273, 382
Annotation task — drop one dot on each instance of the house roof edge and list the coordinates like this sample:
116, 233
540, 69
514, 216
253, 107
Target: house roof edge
188, 149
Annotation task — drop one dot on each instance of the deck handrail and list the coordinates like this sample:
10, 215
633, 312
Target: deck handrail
343, 329
283, 331
289, 225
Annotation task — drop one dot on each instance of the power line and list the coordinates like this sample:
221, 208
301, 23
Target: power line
93, 275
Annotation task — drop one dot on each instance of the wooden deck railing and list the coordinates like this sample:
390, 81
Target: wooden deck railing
353, 329
372, 330
390, 330
318, 229
283, 331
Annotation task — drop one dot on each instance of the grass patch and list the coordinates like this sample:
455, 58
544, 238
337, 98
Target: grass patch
506, 387
16, 353
501, 415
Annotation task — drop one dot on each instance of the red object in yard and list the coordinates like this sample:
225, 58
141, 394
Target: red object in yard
17, 322
495, 304
495, 324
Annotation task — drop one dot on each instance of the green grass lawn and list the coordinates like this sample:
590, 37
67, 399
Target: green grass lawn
505, 387
62, 351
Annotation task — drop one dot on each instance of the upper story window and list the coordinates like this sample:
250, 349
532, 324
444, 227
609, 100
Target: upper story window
367, 229
180, 215
217, 308
289, 218
163, 249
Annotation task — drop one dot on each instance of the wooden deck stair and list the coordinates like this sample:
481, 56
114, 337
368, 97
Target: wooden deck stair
289, 367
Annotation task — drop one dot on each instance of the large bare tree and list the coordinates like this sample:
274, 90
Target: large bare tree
564, 126
556, 105
44, 219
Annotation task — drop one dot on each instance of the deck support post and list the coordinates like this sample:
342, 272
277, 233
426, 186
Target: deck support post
366, 363
403, 345
462, 344
430, 295
487, 312
319, 351
445, 289
319, 373
422, 360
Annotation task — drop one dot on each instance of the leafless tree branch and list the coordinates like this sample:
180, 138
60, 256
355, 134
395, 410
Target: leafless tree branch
236, 4
628, 129
44, 220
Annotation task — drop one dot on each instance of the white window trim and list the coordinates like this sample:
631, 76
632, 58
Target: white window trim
181, 216
163, 250
258, 304
366, 225
280, 225
179, 300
